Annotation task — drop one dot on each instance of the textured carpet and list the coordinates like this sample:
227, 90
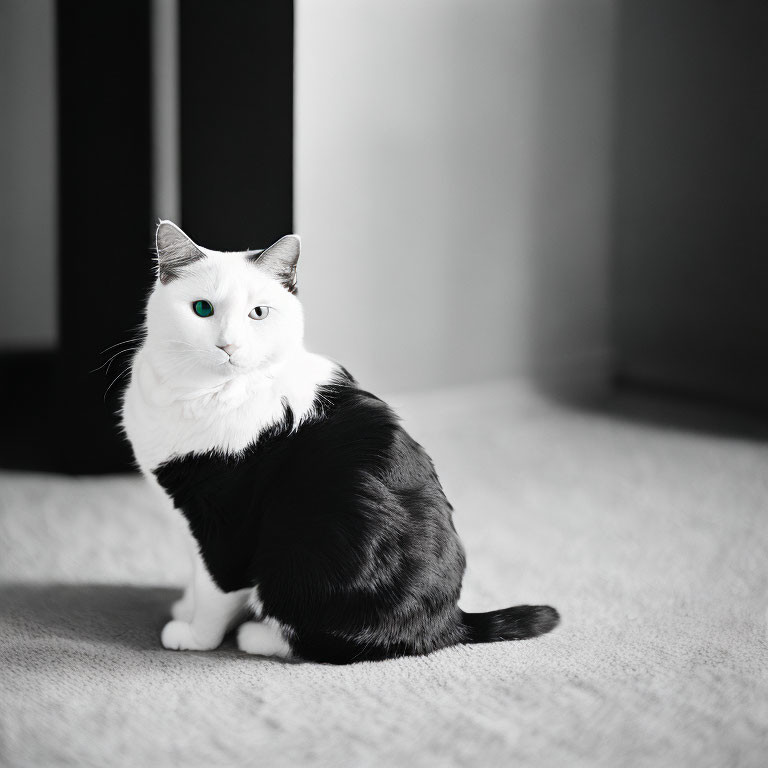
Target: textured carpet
646, 526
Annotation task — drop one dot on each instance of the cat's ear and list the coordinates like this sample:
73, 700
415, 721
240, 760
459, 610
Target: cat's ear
279, 260
174, 251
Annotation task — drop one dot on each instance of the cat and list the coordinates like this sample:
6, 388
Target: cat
318, 525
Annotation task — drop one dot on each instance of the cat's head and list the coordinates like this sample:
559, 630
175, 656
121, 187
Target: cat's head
215, 315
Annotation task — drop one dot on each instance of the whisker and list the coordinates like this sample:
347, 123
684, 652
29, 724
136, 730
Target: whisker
129, 341
117, 354
109, 363
119, 375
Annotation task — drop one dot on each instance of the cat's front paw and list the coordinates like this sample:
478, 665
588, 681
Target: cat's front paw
178, 636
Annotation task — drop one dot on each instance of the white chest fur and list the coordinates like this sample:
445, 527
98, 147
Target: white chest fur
162, 421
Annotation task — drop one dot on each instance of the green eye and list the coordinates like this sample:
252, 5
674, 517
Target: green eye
202, 308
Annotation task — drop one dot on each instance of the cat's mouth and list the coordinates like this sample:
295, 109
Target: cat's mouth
233, 365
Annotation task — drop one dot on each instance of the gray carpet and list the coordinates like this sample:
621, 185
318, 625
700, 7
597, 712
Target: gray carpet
646, 528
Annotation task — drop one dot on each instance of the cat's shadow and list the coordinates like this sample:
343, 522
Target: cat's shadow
88, 614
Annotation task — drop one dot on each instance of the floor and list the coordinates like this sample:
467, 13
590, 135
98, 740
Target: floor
645, 523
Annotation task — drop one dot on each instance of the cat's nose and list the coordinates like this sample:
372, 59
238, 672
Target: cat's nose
230, 349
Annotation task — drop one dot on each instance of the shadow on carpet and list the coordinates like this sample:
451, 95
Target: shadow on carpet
101, 614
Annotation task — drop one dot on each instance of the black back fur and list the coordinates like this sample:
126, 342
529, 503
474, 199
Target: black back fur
344, 527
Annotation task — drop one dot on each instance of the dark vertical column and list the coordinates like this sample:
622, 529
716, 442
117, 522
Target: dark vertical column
236, 73
691, 274
104, 209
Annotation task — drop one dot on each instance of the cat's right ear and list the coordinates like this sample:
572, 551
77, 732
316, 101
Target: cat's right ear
174, 251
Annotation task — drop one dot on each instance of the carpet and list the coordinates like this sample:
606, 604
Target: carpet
644, 523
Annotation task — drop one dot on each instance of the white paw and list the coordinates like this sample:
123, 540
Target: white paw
263, 638
178, 636
182, 610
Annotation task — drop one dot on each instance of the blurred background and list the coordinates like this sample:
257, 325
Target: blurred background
567, 194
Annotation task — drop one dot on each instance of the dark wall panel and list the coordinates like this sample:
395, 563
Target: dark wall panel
104, 215
236, 70
691, 276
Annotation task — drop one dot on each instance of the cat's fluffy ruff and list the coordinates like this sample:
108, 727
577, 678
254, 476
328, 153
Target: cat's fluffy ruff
302, 492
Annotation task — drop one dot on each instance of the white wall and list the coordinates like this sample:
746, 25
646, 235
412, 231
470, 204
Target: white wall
451, 186
27, 175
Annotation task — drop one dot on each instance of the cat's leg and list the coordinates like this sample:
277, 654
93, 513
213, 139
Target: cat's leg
184, 608
214, 613
263, 638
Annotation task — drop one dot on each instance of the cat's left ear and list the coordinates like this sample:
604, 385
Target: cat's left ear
280, 259
174, 251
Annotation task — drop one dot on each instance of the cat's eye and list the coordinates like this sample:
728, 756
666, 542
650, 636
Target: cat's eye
258, 313
202, 308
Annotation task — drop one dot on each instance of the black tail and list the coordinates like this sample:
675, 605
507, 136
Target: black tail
516, 623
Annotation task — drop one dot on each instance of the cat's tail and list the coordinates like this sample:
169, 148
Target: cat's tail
516, 623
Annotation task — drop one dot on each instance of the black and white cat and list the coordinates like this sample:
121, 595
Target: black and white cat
313, 513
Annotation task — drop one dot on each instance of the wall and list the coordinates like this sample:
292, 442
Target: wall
452, 185
452, 181
27, 175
